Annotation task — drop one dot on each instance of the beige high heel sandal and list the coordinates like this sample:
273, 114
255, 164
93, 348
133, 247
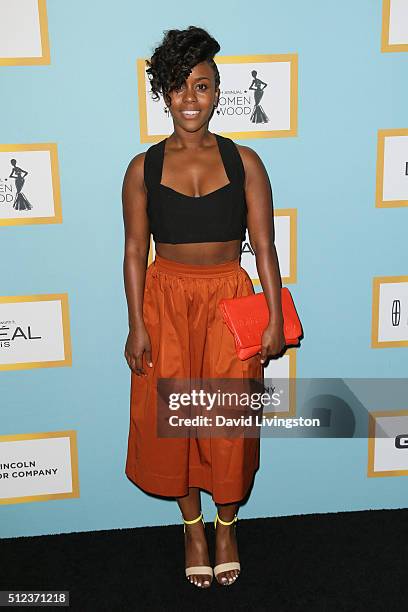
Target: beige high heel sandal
205, 570
231, 565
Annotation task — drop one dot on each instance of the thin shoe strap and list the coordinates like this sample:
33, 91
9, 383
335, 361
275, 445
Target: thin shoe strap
194, 520
217, 518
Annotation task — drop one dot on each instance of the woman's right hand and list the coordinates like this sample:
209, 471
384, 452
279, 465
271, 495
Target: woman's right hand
138, 342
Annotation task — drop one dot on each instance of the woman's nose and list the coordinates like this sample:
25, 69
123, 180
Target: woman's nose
189, 94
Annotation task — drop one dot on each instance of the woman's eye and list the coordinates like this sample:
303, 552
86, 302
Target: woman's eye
201, 86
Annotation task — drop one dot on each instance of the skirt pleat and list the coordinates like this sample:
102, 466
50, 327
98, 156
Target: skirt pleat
189, 340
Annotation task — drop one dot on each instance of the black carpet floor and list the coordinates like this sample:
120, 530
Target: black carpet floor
353, 561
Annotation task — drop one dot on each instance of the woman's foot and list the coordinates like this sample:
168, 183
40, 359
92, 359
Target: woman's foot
226, 550
196, 553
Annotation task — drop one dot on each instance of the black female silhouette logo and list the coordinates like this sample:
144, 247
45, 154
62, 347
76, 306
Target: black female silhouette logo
18, 174
258, 114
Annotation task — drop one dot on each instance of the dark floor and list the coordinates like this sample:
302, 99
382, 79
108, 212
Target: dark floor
353, 561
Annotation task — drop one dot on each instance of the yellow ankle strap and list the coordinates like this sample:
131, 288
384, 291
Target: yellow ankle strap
194, 520
217, 518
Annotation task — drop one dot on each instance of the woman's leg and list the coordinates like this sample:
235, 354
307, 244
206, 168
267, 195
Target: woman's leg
226, 548
196, 549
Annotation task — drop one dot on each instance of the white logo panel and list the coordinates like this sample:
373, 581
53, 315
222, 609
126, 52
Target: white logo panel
36, 467
388, 443
34, 331
23, 32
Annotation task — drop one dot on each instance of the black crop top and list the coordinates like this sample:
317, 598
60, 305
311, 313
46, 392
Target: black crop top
217, 216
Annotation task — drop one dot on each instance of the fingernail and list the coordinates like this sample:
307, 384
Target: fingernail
150, 364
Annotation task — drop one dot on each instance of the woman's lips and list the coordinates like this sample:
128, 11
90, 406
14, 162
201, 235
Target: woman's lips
190, 114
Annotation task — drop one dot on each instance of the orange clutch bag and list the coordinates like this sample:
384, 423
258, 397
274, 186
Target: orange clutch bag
246, 317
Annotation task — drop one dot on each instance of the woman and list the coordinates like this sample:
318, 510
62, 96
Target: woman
258, 114
20, 200
195, 192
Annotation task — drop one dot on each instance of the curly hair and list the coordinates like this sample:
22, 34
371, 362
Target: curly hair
173, 60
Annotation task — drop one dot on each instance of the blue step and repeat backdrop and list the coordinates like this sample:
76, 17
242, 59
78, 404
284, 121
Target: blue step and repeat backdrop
319, 90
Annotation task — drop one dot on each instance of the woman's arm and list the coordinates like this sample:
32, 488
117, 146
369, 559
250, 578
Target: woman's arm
261, 231
137, 238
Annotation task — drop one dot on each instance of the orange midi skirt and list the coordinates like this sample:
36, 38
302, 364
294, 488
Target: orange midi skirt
189, 339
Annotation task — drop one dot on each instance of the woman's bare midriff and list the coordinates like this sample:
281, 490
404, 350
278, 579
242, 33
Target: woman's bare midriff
205, 253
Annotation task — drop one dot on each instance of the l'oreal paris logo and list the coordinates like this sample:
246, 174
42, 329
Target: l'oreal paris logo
9, 334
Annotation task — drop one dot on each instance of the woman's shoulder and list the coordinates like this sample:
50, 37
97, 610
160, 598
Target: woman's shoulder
249, 157
244, 151
136, 164
134, 174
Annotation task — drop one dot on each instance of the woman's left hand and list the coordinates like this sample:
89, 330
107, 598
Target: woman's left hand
273, 340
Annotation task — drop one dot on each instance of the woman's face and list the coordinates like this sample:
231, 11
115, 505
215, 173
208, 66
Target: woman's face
196, 94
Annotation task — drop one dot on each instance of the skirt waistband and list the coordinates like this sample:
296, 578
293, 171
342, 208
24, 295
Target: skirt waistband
198, 270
